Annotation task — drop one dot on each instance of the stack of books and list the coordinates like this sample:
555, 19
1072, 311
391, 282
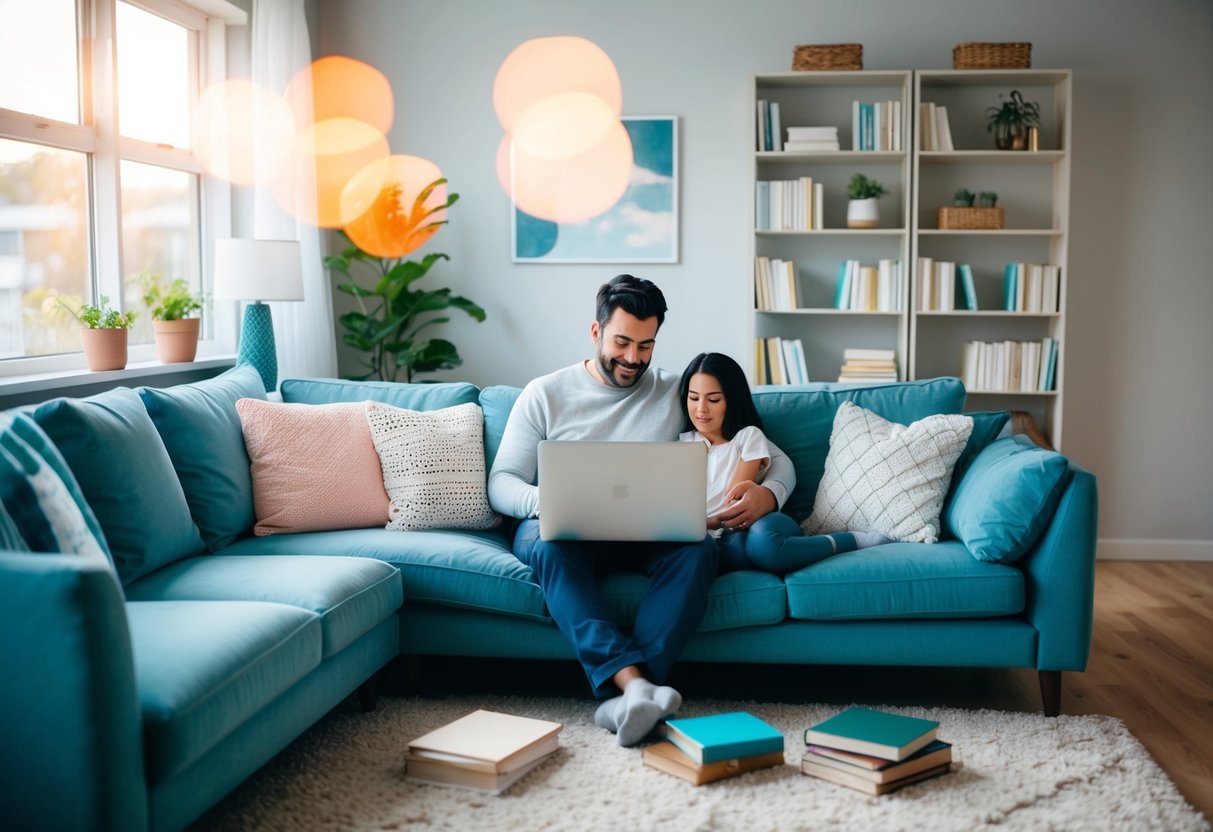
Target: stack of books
707, 748
811, 139
868, 366
484, 750
874, 751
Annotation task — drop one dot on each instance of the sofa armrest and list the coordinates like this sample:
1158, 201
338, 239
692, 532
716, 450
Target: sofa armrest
71, 754
1060, 575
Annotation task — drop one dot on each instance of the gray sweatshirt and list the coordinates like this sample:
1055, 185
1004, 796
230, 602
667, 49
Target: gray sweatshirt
570, 404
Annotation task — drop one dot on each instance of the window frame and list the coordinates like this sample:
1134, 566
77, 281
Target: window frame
97, 137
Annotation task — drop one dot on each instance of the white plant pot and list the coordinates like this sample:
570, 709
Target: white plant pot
863, 213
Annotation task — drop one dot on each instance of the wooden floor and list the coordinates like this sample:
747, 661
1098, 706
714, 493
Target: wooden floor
1151, 667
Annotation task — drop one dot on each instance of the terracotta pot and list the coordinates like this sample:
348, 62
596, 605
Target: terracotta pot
105, 349
176, 341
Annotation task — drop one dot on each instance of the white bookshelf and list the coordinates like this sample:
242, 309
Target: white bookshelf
1034, 193
819, 99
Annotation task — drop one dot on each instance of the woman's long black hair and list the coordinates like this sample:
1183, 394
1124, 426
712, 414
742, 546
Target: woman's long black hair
740, 411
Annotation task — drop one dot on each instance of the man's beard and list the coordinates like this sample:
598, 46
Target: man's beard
606, 369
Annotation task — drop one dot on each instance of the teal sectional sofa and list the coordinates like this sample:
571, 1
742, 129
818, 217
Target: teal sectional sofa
137, 696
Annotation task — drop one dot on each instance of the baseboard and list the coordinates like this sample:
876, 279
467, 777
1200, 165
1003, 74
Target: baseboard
1147, 549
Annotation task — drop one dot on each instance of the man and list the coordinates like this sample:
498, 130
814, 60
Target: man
613, 396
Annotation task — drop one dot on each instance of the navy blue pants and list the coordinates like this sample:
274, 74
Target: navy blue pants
776, 544
570, 573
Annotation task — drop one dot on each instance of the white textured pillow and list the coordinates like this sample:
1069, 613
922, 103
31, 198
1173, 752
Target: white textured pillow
433, 466
884, 477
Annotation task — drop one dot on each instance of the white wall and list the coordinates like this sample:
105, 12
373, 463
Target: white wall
1138, 399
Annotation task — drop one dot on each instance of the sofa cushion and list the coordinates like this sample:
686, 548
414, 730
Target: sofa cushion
350, 595
473, 570
987, 426
410, 396
496, 402
126, 476
1007, 498
433, 466
41, 506
885, 477
203, 668
799, 421
905, 580
201, 431
314, 467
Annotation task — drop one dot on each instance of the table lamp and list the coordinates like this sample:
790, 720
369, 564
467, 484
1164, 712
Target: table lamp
257, 271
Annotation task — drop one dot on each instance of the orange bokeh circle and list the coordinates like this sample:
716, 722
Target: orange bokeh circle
237, 124
543, 67
379, 207
563, 125
341, 87
323, 159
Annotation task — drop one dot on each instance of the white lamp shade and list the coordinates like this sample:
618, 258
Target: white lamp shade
258, 270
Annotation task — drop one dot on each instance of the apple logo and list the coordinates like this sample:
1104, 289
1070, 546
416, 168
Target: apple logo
620, 492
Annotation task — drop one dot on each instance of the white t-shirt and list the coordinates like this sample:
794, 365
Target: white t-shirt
748, 444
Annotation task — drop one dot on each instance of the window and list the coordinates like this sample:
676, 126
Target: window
97, 180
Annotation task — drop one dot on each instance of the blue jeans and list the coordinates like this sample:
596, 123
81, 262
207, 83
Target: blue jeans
776, 544
569, 571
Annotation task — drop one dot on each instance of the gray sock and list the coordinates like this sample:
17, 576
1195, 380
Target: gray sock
632, 716
866, 539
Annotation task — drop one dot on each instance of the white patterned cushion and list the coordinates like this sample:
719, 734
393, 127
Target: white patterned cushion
884, 477
433, 466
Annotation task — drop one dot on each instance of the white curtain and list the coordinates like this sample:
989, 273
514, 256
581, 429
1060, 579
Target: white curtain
303, 331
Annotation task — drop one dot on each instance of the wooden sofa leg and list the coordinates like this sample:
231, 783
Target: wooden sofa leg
368, 694
1050, 691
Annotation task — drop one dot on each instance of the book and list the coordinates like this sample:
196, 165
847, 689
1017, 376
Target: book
943, 132
444, 774
487, 741
878, 770
878, 733
877, 354
810, 145
667, 757
968, 287
803, 134
709, 739
842, 778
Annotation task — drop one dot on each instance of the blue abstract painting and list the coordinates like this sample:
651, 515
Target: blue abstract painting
642, 227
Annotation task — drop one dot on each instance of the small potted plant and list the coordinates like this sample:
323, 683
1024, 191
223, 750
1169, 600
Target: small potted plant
863, 211
104, 334
987, 199
1010, 121
963, 198
172, 306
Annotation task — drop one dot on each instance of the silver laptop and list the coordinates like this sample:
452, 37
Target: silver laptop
623, 490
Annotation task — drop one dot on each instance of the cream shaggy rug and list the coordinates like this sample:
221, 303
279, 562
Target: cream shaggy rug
1015, 771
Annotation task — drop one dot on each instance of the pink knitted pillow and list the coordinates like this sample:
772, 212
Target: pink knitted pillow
314, 467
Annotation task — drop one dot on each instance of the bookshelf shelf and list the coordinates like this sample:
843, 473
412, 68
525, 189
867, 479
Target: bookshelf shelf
828, 310
997, 157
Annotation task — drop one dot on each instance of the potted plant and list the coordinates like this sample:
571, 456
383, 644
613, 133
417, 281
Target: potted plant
104, 334
171, 305
863, 211
391, 312
963, 198
1010, 121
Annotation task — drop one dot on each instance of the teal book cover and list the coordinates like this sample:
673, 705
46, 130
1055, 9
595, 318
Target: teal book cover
709, 739
876, 732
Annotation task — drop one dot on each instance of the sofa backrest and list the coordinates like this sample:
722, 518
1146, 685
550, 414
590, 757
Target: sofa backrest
409, 396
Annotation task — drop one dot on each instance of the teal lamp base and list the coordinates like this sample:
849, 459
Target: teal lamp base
257, 344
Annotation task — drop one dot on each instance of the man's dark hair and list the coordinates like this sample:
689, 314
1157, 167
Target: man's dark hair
638, 297
740, 410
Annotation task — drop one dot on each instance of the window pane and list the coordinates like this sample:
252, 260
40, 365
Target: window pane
38, 68
160, 233
43, 247
154, 93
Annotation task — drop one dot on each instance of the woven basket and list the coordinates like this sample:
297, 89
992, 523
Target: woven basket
992, 56
951, 216
821, 56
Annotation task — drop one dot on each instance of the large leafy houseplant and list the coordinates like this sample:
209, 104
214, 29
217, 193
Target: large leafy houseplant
393, 312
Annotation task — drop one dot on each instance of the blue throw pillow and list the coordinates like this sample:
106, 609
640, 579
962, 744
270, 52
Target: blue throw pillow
41, 506
125, 474
201, 431
1007, 498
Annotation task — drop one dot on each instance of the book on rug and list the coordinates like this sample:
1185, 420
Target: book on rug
667, 757
876, 770
444, 774
710, 739
488, 742
814, 768
878, 733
